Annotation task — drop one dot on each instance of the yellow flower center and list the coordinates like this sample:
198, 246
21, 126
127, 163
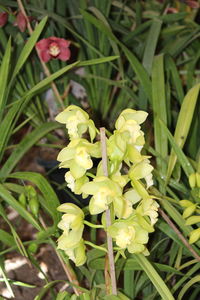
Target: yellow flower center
101, 197
83, 158
54, 50
125, 236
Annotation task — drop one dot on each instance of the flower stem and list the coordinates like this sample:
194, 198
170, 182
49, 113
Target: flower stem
108, 217
92, 225
95, 246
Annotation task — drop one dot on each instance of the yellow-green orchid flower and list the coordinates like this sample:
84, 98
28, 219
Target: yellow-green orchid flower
77, 156
104, 192
71, 224
149, 207
128, 234
128, 124
77, 254
138, 116
74, 184
77, 122
141, 170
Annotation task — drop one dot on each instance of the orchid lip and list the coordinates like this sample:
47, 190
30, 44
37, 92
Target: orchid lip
54, 50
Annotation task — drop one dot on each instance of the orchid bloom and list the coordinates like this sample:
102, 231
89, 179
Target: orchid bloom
130, 235
149, 207
54, 47
77, 122
141, 170
104, 191
3, 18
76, 156
77, 254
128, 123
72, 226
74, 184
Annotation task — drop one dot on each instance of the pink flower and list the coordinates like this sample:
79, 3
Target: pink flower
54, 47
192, 4
21, 22
3, 18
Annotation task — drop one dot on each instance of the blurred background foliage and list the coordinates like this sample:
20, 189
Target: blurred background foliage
138, 54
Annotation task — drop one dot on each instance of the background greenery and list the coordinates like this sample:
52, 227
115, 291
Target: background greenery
132, 54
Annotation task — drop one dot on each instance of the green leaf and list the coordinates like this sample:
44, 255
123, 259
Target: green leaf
6, 282
157, 281
5, 194
187, 286
16, 237
4, 71
49, 79
28, 47
151, 44
136, 65
159, 111
13, 114
45, 289
183, 124
6, 238
186, 165
19, 283
96, 61
27, 142
63, 296
171, 65
49, 195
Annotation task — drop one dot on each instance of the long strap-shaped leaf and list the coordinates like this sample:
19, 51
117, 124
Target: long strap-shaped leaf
13, 114
159, 111
5, 195
27, 142
157, 281
185, 163
4, 71
28, 47
188, 285
183, 124
136, 65
49, 195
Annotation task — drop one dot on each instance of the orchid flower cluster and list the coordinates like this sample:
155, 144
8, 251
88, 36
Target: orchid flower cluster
125, 191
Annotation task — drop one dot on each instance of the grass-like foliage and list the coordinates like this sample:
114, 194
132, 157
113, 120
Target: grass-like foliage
129, 58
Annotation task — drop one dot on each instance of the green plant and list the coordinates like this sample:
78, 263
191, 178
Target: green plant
147, 69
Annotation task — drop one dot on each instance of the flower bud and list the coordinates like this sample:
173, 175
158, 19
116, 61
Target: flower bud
198, 180
194, 236
192, 180
22, 200
3, 18
34, 206
21, 21
189, 211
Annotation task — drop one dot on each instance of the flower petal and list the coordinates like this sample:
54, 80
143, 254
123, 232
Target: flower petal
45, 56
21, 21
43, 44
3, 18
65, 54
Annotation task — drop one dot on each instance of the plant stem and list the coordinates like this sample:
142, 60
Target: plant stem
92, 225
95, 246
108, 217
181, 237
